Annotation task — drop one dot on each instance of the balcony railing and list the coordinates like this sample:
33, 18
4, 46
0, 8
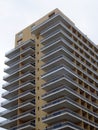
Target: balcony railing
24, 113
57, 68
27, 43
19, 78
19, 67
10, 63
29, 59
24, 74
20, 53
18, 96
74, 103
18, 105
69, 112
16, 73
62, 124
18, 116
23, 125
18, 87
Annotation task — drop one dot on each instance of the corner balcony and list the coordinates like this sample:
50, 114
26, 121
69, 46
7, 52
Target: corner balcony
24, 51
14, 91
25, 126
54, 36
16, 67
22, 70
57, 52
60, 103
16, 50
19, 57
14, 101
25, 117
46, 24
69, 115
17, 60
56, 82
60, 115
51, 29
64, 126
67, 101
26, 77
55, 62
60, 92
25, 106
58, 71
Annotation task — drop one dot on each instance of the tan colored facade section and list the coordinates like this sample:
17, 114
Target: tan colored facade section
39, 82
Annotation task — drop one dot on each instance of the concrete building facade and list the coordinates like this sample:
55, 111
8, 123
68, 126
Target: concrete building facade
52, 81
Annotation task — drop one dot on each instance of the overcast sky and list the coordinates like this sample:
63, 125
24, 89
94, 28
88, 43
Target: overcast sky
17, 14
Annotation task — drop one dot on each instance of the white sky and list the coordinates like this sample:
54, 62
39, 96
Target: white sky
17, 14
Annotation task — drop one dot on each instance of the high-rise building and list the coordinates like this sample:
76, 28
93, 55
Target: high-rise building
52, 81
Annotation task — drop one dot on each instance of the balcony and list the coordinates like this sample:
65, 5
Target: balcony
16, 67
22, 52
22, 114
68, 115
25, 117
14, 101
26, 77
56, 82
26, 105
58, 71
13, 91
51, 29
59, 92
47, 23
16, 50
19, 57
64, 126
66, 102
22, 70
25, 126
57, 52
